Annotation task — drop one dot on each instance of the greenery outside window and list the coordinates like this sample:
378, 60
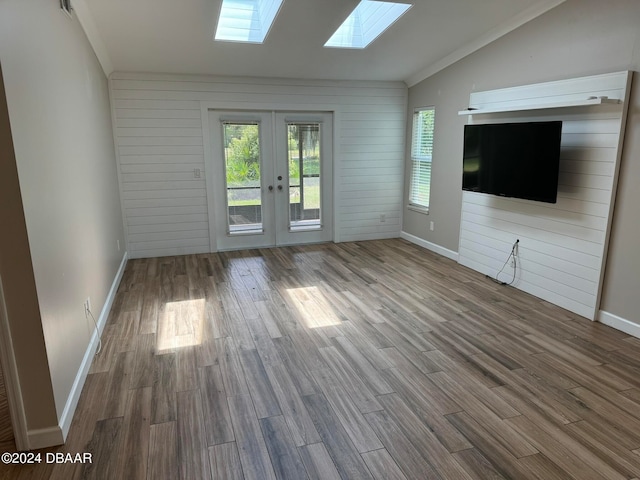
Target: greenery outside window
421, 154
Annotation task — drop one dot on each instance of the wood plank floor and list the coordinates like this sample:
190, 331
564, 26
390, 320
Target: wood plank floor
371, 360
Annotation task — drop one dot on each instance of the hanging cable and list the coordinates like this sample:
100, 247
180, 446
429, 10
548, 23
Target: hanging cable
97, 331
513, 255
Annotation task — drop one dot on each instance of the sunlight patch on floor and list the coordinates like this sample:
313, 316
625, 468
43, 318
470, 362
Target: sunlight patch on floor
313, 307
180, 324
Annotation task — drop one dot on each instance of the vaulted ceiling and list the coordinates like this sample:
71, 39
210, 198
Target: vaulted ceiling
176, 36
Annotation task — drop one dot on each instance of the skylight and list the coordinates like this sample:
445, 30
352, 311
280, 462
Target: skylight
366, 23
246, 20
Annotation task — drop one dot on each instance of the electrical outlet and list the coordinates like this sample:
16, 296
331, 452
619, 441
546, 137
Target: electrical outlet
196, 173
431, 226
383, 218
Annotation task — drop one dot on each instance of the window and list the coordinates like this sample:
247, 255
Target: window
421, 153
246, 20
366, 23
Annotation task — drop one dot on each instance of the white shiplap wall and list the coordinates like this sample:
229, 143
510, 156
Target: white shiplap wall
563, 246
159, 140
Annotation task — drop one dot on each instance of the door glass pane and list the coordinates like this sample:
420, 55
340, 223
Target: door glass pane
304, 175
242, 166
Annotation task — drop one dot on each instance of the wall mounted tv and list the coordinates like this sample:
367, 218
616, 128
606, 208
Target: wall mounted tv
518, 160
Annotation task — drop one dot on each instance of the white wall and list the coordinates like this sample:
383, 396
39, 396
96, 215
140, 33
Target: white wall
160, 141
58, 105
577, 38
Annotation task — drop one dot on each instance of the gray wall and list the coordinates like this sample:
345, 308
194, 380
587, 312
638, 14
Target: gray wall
59, 112
577, 38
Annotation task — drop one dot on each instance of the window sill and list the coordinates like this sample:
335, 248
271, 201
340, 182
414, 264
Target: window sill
415, 208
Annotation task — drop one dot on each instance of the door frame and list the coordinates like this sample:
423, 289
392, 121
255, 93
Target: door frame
11, 379
206, 107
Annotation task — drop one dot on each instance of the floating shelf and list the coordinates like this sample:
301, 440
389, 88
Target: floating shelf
540, 106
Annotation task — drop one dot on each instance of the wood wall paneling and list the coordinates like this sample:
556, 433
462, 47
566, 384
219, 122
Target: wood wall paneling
159, 139
562, 247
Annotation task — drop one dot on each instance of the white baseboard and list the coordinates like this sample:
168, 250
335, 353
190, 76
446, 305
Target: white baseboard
76, 389
45, 437
430, 246
619, 323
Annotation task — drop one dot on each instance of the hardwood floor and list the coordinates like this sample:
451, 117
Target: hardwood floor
371, 360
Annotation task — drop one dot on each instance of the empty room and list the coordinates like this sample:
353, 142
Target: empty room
319, 239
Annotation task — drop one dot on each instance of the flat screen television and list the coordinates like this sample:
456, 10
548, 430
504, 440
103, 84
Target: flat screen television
518, 160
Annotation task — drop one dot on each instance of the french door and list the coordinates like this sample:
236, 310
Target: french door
273, 178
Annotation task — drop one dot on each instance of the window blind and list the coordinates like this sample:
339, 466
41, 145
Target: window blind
421, 154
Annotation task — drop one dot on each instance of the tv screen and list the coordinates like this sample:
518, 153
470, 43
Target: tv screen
518, 160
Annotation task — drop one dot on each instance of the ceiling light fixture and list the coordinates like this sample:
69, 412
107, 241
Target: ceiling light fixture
366, 23
246, 21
